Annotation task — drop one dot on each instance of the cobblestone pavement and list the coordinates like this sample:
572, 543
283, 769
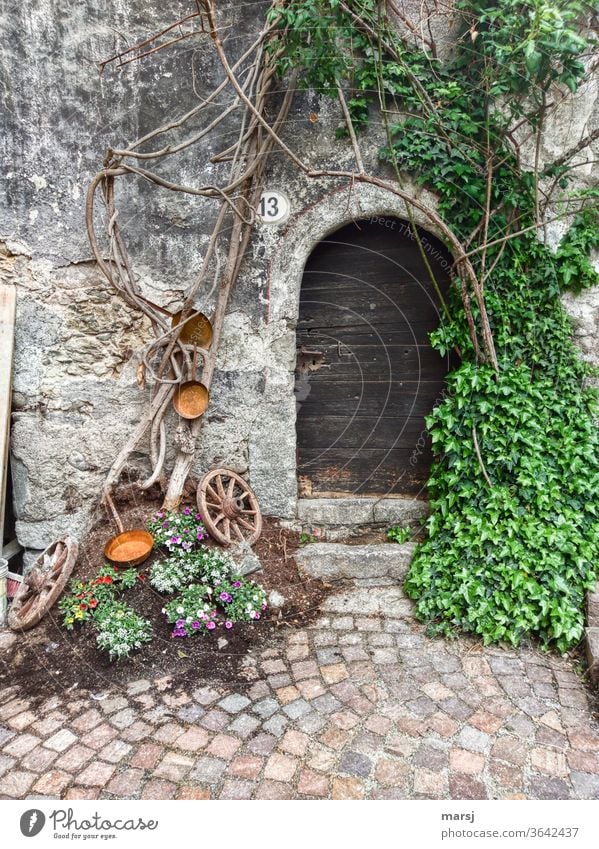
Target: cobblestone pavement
351, 707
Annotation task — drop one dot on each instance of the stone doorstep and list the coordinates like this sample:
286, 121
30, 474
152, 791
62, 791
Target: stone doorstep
335, 560
592, 652
339, 515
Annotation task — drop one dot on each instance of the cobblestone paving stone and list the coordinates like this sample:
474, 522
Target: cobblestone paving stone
351, 707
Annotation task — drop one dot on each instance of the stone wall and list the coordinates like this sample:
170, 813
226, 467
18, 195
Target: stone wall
75, 394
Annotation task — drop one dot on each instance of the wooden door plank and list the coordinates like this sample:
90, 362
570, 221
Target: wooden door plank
360, 432
403, 471
364, 398
8, 302
377, 362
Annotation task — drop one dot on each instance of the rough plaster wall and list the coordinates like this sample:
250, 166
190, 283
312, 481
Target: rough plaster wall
75, 395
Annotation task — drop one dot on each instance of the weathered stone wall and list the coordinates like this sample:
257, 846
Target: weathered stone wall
75, 395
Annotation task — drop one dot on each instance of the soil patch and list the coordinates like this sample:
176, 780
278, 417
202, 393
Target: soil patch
49, 659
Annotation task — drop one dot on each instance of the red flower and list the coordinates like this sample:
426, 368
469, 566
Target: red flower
107, 579
83, 607
93, 602
80, 595
142, 577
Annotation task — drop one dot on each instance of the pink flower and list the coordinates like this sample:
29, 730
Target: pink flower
187, 511
211, 626
255, 614
228, 624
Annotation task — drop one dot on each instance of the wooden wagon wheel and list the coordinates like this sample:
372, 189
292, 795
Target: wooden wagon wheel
229, 508
42, 586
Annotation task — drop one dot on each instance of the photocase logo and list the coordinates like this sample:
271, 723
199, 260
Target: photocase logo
32, 822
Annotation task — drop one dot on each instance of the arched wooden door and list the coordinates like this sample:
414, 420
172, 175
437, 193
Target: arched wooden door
366, 373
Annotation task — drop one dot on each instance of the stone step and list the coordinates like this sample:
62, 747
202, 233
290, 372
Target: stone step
369, 601
330, 560
336, 519
343, 512
339, 518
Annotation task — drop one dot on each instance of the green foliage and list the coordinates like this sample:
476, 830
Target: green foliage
120, 629
512, 557
86, 598
306, 539
207, 565
201, 608
534, 43
398, 534
575, 269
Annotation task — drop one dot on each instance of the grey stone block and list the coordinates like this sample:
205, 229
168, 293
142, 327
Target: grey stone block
335, 560
592, 651
593, 608
358, 511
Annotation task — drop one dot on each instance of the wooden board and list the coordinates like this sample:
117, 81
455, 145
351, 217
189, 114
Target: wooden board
7, 332
366, 373
367, 472
343, 397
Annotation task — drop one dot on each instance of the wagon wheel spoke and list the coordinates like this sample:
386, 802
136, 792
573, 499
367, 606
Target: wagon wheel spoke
56, 570
25, 608
227, 528
220, 487
212, 492
235, 527
27, 592
218, 518
231, 487
249, 512
245, 524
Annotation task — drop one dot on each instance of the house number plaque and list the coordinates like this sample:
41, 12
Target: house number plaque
273, 207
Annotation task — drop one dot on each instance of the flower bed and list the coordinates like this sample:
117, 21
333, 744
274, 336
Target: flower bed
210, 595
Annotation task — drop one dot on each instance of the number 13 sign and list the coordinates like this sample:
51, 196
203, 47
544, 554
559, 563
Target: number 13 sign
273, 207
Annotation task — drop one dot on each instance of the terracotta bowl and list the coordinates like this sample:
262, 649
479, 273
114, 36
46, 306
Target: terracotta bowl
191, 399
197, 330
129, 548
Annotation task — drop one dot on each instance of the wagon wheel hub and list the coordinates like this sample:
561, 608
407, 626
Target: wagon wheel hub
232, 507
229, 508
